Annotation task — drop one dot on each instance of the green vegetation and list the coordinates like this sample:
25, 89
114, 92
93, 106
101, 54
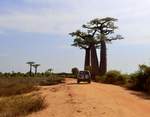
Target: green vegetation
113, 77
75, 71
139, 81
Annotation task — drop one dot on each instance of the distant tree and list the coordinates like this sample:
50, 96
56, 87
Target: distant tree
75, 71
50, 70
103, 28
30, 63
36, 66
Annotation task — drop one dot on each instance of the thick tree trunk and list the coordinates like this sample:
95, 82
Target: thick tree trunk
87, 58
103, 58
94, 62
30, 72
35, 70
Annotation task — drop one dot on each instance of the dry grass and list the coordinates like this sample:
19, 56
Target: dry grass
17, 98
20, 105
15, 86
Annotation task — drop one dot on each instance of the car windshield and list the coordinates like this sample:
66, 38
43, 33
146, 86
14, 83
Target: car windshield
84, 73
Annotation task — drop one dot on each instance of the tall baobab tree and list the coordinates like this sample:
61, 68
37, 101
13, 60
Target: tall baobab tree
89, 43
35, 67
82, 42
30, 63
103, 29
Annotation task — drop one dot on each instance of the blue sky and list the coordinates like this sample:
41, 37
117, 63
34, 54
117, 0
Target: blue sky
37, 30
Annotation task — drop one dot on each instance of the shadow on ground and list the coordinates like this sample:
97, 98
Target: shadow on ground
73, 83
141, 95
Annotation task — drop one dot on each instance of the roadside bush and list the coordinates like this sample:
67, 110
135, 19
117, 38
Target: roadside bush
20, 105
100, 79
140, 80
75, 71
115, 77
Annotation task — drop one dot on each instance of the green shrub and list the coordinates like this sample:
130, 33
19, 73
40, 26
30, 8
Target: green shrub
147, 85
100, 79
75, 71
21, 105
112, 76
115, 77
140, 80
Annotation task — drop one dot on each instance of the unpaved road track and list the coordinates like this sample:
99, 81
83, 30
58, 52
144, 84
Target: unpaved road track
92, 100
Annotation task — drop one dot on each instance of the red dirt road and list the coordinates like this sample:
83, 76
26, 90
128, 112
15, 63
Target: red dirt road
92, 100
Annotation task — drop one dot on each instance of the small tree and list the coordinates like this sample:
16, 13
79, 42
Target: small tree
36, 66
48, 72
75, 71
30, 63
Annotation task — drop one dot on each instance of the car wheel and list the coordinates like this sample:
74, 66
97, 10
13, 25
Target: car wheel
89, 81
78, 81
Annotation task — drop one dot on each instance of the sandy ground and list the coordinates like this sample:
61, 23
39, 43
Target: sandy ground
92, 100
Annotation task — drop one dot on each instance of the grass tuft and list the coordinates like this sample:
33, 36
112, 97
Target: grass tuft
21, 105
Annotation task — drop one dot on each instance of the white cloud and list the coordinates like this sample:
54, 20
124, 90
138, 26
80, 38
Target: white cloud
133, 16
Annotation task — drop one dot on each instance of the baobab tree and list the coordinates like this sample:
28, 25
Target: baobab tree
35, 67
87, 42
30, 63
103, 29
82, 42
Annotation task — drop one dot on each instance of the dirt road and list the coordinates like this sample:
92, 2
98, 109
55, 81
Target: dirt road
92, 100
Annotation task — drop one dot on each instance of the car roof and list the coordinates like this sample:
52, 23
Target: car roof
84, 72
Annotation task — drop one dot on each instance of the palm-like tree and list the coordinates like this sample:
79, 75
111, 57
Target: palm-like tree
103, 28
30, 63
36, 66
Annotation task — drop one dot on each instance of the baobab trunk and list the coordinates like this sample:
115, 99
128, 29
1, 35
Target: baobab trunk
94, 62
87, 58
103, 58
30, 70
35, 70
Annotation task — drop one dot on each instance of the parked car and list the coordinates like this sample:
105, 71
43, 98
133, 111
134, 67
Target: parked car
84, 76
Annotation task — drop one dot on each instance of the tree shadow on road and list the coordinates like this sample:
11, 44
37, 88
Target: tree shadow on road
141, 94
73, 83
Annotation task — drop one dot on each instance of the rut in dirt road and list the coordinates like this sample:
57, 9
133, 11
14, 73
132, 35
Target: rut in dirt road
91, 100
